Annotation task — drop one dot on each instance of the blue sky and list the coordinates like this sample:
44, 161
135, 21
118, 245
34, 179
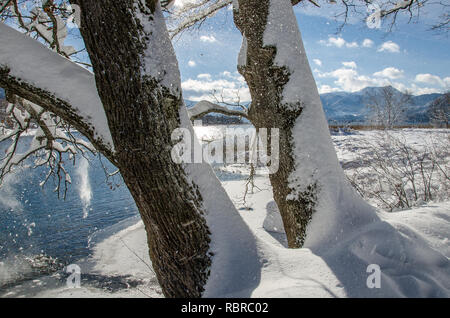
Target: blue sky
410, 57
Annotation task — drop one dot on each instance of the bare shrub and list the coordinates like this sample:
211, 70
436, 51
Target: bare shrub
396, 175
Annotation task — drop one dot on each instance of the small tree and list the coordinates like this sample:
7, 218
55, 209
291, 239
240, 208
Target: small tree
396, 174
388, 108
439, 111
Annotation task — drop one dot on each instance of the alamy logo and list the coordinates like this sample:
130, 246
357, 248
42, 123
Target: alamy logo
74, 19
374, 279
74, 279
373, 21
231, 145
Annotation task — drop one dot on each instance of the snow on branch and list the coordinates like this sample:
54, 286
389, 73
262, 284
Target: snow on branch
52, 141
46, 20
196, 12
32, 71
391, 9
204, 107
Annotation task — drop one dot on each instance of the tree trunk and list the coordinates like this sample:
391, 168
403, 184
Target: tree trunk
198, 243
142, 112
284, 95
197, 240
141, 115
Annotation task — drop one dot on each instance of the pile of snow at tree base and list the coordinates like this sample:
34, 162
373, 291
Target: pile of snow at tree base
411, 247
337, 208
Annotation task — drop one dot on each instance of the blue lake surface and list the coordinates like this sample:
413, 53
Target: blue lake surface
34, 221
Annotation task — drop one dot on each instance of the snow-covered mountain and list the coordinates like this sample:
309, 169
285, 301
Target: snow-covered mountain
343, 107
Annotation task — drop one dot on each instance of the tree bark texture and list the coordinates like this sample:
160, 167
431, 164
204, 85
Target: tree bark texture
142, 113
266, 82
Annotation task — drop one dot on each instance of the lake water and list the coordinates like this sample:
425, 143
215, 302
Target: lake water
33, 221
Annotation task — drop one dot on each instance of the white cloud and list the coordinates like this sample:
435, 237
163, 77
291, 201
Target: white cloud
389, 72
416, 90
338, 42
433, 80
348, 79
235, 76
317, 62
198, 86
205, 76
208, 38
227, 84
349, 64
389, 46
447, 81
192, 63
367, 43
181, 3
323, 89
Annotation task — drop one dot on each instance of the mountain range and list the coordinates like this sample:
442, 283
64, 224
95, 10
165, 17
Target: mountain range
345, 107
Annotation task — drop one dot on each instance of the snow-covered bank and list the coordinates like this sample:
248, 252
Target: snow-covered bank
411, 247
409, 267
120, 267
123, 258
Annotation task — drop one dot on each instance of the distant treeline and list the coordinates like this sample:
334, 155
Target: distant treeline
334, 127
209, 120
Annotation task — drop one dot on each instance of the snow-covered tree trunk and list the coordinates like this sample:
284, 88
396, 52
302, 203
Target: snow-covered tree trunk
198, 243
310, 189
183, 207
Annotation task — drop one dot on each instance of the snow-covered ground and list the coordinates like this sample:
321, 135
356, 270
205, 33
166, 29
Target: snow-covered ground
411, 247
397, 169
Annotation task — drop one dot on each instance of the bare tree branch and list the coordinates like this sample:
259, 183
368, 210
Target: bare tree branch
204, 107
51, 140
196, 13
35, 90
47, 22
